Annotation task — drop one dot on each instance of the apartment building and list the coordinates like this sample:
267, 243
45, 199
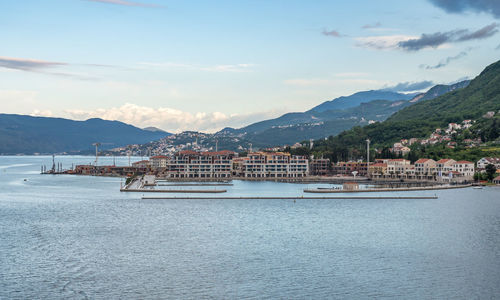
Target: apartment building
275, 165
320, 167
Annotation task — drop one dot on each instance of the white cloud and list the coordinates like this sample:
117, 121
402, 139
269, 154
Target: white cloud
41, 113
386, 42
170, 119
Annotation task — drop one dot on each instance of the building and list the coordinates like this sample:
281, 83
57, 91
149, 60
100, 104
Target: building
159, 161
444, 166
347, 168
143, 164
483, 162
378, 169
397, 166
275, 165
425, 168
320, 167
191, 164
464, 168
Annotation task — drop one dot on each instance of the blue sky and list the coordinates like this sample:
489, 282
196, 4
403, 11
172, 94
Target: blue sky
200, 65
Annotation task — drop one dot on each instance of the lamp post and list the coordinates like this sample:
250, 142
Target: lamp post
368, 158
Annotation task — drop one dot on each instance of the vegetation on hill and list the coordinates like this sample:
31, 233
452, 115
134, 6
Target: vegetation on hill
419, 120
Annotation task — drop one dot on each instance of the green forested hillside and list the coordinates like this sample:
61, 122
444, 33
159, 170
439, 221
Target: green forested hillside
419, 120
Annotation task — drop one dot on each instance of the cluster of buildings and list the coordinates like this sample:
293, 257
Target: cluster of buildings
226, 164
438, 136
423, 169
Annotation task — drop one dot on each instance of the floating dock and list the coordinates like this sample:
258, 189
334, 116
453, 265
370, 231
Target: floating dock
174, 191
338, 191
194, 184
285, 198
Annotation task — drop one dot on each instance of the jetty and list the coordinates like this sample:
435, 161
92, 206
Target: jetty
374, 190
174, 191
289, 198
146, 184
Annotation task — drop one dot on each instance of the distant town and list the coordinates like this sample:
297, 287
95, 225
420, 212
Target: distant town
267, 165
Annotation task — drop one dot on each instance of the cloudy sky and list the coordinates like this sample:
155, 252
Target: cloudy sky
204, 65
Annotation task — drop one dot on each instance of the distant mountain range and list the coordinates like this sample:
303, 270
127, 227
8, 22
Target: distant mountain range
333, 117
20, 134
358, 98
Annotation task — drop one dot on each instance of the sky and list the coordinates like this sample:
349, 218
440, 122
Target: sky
205, 65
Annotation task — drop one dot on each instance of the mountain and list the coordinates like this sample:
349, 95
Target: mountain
313, 124
439, 90
154, 129
361, 97
480, 96
20, 134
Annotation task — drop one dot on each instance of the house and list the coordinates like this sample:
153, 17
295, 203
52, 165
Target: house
483, 162
489, 115
412, 141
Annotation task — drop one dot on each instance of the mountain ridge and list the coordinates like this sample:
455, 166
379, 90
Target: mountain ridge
23, 134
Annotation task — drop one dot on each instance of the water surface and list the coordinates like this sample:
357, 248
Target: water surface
79, 237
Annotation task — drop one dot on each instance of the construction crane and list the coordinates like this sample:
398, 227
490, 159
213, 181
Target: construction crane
96, 151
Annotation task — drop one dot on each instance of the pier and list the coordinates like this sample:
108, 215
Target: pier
174, 191
290, 198
425, 188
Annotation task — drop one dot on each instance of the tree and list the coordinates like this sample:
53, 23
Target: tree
490, 171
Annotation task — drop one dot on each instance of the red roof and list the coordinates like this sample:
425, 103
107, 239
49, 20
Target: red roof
141, 161
159, 156
422, 160
444, 160
222, 152
187, 152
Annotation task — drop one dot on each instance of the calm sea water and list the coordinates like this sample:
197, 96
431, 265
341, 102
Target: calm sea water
79, 237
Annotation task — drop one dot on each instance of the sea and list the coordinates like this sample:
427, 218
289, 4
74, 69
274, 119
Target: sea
79, 237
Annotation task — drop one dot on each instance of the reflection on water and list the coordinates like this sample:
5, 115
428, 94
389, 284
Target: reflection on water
79, 237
